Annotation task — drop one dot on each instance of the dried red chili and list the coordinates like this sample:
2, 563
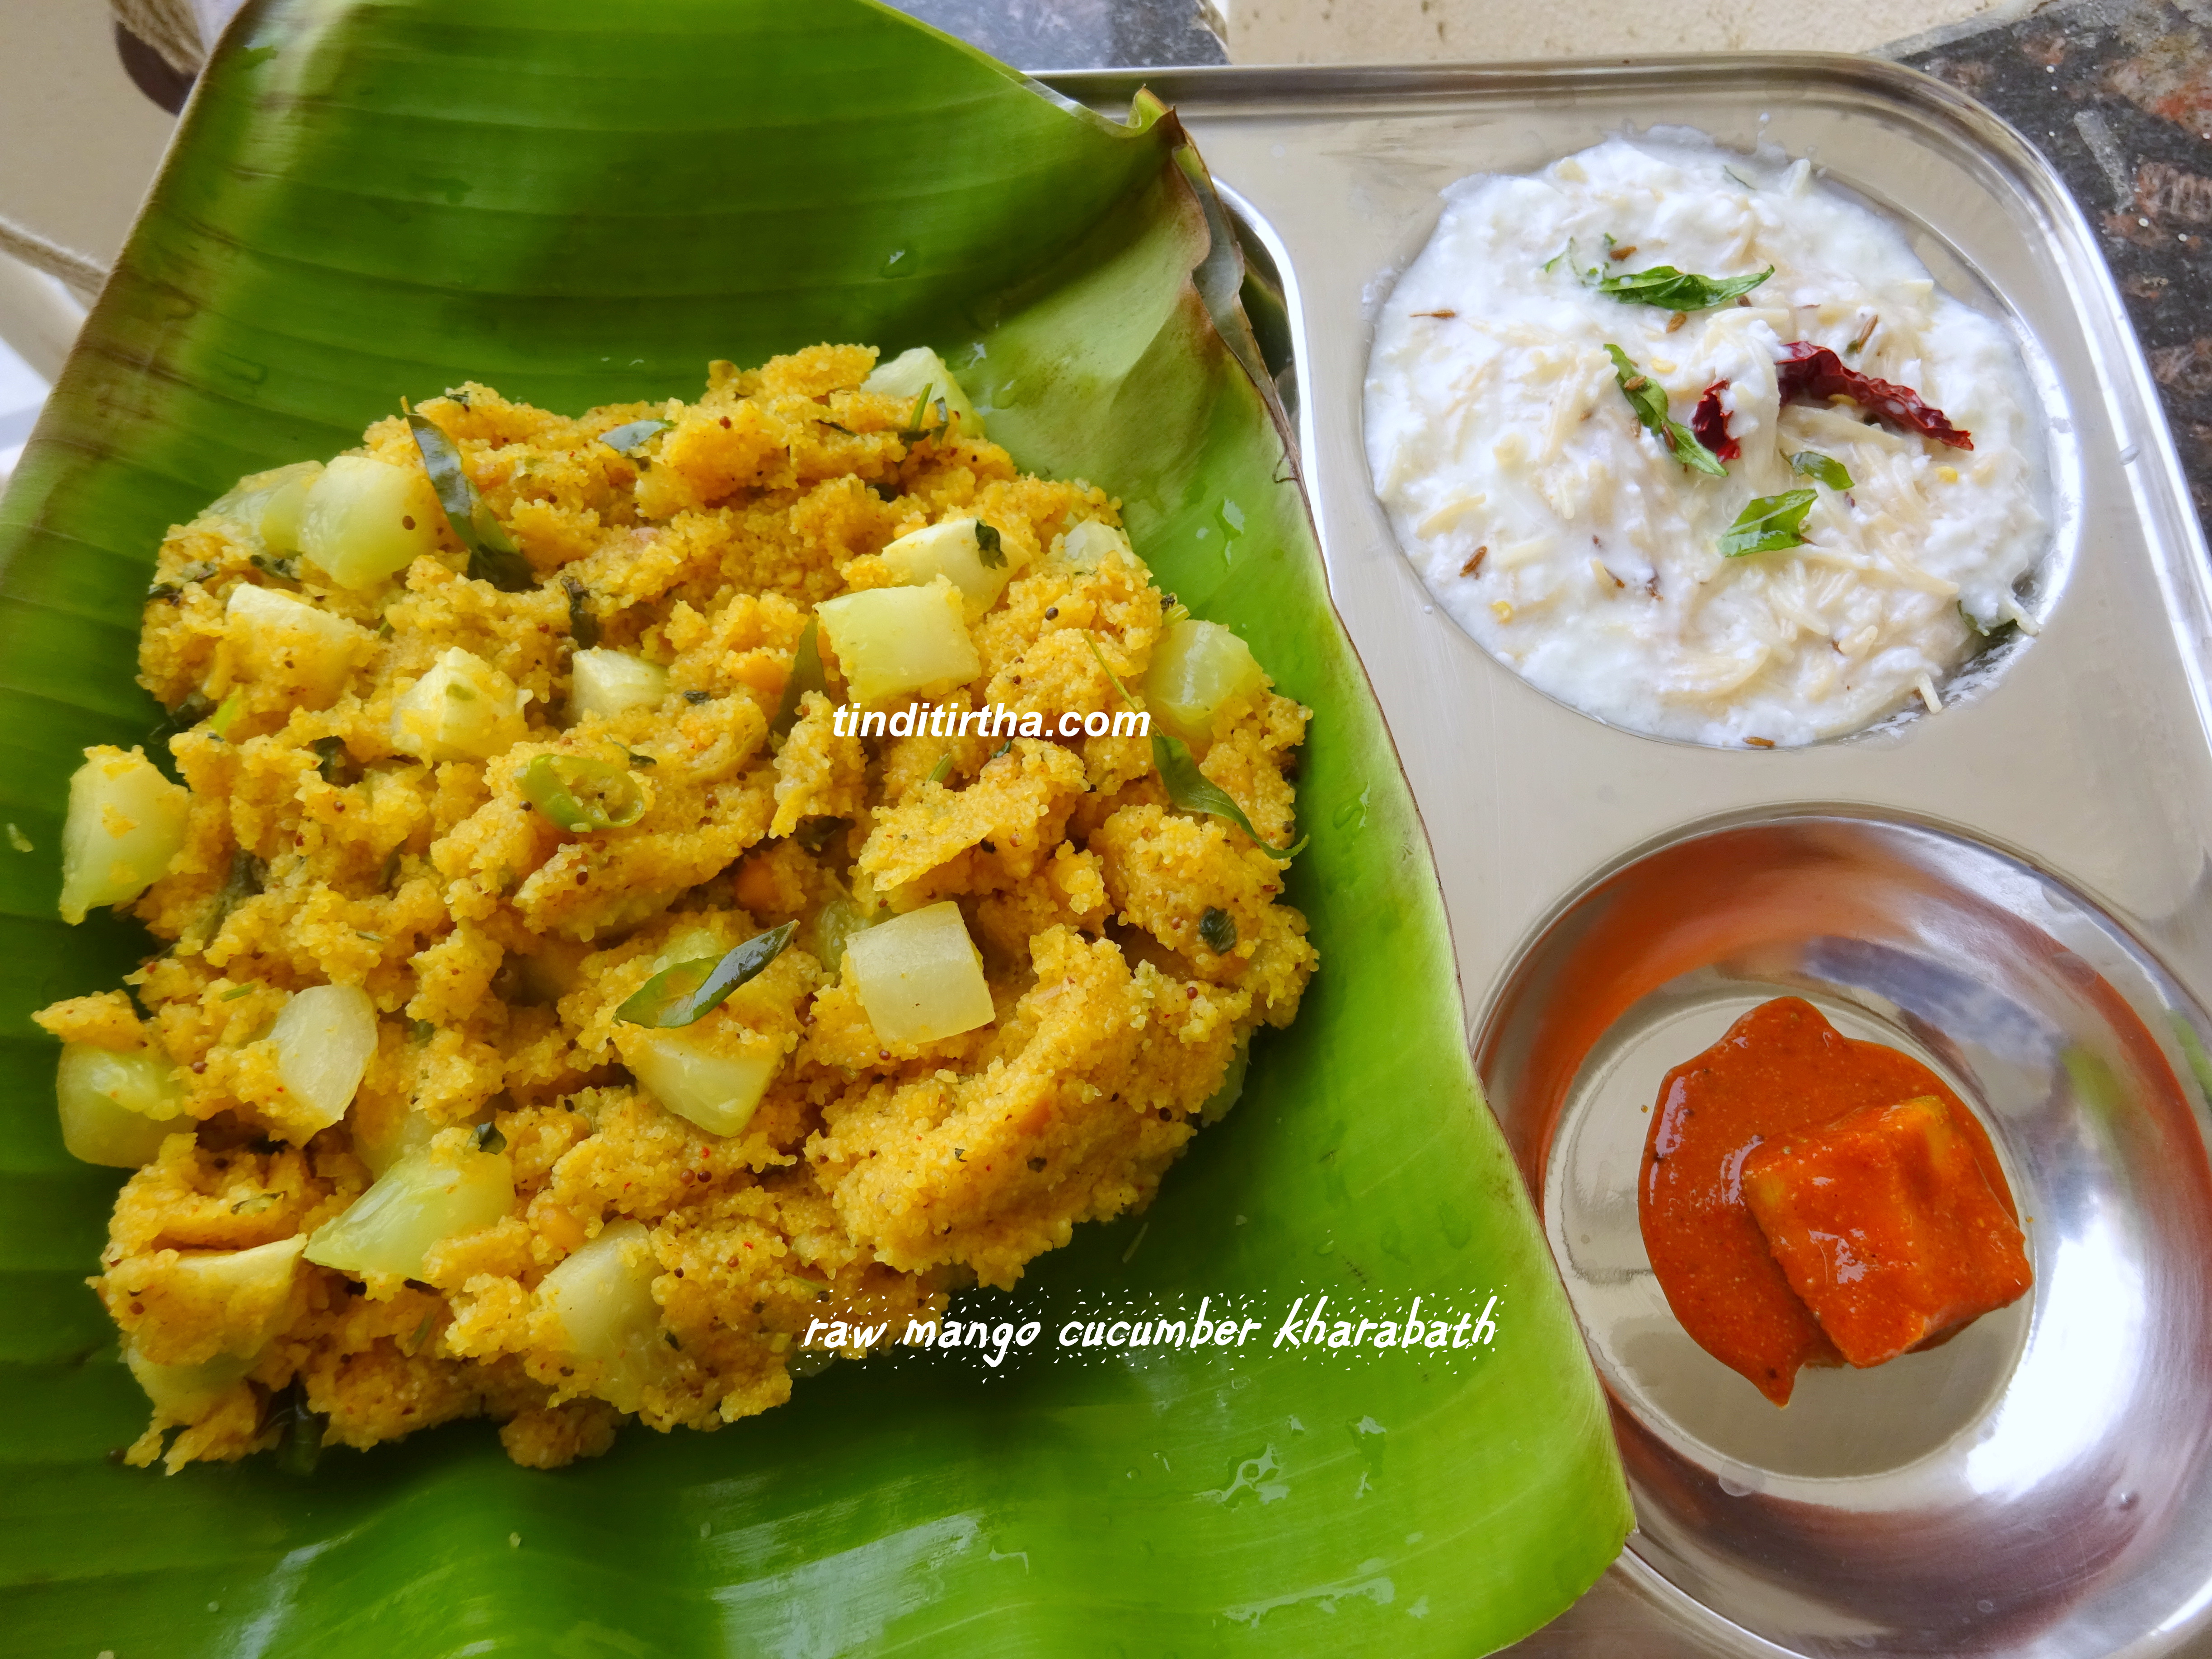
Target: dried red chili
1710, 422
1806, 373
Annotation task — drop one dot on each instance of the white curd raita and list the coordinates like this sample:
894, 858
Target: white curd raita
1561, 534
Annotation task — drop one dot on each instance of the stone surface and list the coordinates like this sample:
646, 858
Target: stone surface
2118, 94
1056, 34
1432, 31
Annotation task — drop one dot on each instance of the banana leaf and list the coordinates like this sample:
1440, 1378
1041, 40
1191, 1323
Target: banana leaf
580, 202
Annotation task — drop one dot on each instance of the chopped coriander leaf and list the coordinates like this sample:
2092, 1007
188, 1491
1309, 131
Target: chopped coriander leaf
1648, 400
1812, 464
691, 990
1768, 524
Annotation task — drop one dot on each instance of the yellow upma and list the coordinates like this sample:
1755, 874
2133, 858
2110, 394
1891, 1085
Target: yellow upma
419, 1127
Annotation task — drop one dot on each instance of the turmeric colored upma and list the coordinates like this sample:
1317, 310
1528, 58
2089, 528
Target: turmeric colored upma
630, 892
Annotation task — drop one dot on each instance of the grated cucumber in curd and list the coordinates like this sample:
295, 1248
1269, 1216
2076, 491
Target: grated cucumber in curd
1561, 535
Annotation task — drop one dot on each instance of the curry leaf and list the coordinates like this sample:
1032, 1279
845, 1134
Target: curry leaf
631, 439
1812, 464
583, 622
1679, 290
1768, 524
1648, 400
1192, 790
808, 675
689, 991
493, 556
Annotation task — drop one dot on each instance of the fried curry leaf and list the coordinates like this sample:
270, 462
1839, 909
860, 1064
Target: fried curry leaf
1192, 790
631, 439
1768, 524
583, 621
301, 1445
1217, 928
1679, 290
493, 556
807, 674
1812, 464
1648, 400
196, 707
248, 875
988, 548
689, 991
333, 764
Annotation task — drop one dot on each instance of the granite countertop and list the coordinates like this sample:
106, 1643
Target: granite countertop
2118, 93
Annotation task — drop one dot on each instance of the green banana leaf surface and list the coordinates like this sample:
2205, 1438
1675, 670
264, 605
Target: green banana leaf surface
581, 202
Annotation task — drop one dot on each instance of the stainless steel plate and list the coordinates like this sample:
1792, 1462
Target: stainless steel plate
2083, 771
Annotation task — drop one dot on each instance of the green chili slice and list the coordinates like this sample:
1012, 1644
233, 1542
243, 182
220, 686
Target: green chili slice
493, 556
582, 795
691, 990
